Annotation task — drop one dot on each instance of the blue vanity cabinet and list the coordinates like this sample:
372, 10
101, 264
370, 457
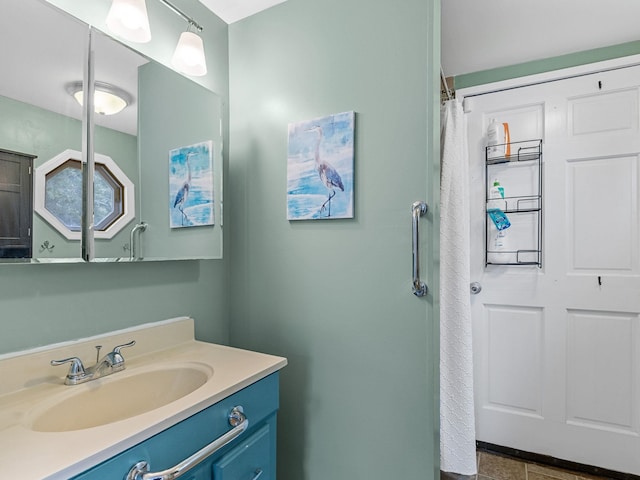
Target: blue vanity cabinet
249, 456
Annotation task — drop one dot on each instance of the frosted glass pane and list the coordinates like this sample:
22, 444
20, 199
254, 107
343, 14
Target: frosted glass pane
103, 198
63, 196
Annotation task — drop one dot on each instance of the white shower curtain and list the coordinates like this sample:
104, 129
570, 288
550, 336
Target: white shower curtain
457, 420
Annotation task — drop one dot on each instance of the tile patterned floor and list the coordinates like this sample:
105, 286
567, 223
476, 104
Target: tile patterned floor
495, 467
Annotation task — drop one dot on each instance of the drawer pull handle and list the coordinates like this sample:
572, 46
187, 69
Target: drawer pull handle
258, 474
239, 422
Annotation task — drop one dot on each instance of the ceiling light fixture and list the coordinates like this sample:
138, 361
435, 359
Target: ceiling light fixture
128, 19
108, 99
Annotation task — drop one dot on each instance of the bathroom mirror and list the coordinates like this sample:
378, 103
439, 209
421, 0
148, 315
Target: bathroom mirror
38, 121
176, 147
41, 120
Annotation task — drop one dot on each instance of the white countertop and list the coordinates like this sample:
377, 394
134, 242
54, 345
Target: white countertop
28, 379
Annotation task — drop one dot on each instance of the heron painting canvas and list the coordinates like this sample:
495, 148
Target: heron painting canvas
191, 186
320, 168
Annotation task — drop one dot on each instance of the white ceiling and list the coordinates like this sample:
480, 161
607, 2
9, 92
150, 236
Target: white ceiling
483, 34
233, 10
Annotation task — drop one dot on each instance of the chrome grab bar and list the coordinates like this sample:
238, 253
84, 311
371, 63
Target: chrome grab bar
239, 422
417, 210
140, 227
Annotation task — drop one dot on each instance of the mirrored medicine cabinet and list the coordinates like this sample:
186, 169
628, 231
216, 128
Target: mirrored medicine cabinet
155, 167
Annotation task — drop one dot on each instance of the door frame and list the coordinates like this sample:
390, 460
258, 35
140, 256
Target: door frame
466, 94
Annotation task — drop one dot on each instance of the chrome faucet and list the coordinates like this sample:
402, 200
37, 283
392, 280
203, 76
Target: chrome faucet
112, 362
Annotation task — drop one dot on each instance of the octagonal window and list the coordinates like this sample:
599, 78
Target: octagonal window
61, 203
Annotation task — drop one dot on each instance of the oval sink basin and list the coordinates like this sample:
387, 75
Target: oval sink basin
114, 398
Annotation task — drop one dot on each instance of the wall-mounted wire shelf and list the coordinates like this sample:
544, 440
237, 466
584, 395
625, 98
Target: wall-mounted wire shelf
524, 151
523, 209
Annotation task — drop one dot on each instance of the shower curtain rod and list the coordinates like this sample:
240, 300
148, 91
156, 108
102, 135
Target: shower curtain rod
443, 81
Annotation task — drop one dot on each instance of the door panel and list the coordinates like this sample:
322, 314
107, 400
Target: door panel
595, 188
603, 113
514, 350
600, 370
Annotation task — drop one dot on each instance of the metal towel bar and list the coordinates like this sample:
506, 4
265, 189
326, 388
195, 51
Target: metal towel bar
239, 422
418, 209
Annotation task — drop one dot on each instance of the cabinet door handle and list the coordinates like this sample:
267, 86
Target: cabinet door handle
417, 210
239, 422
257, 474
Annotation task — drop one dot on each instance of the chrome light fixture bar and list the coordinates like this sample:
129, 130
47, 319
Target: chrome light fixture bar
179, 12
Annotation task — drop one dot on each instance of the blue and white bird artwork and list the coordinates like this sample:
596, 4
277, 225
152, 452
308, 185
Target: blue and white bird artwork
327, 173
183, 193
191, 195
320, 168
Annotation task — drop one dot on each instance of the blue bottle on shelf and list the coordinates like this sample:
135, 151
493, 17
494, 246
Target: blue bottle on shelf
499, 219
495, 209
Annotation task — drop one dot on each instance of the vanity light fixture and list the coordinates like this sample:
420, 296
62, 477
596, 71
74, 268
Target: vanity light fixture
108, 99
128, 19
188, 57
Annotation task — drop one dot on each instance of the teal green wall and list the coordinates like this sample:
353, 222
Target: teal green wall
41, 304
50, 303
547, 65
358, 398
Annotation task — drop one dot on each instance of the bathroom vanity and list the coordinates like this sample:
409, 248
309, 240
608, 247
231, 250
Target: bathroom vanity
249, 456
180, 409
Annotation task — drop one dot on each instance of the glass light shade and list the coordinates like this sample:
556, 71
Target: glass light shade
128, 19
189, 55
107, 99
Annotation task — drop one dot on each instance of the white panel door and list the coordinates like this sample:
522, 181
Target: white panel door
556, 349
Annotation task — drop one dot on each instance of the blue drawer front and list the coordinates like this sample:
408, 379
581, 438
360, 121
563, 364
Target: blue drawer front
250, 460
170, 447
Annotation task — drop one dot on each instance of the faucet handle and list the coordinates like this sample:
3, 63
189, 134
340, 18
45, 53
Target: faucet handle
76, 369
115, 358
126, 345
